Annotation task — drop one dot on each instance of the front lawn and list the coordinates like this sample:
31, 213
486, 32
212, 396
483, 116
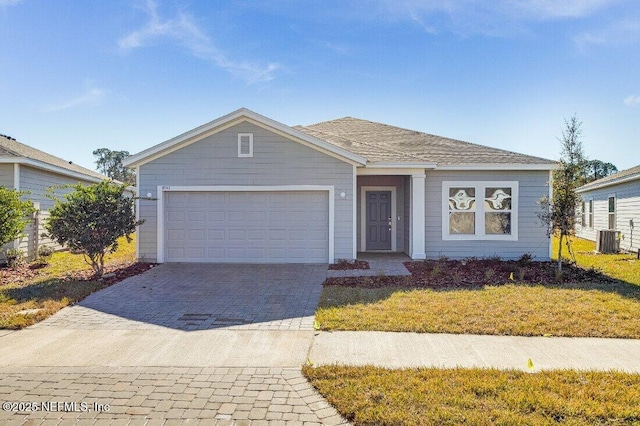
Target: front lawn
34, 293
483, 297
377, 396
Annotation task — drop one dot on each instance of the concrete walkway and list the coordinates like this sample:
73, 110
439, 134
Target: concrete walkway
402, 350
383, 264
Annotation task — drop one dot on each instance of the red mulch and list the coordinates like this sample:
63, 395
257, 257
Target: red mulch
469, 273
120, 270
344, 264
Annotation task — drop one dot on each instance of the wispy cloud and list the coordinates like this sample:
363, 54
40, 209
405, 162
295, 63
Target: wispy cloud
625, 31
632, 101
92, 96
183, 30
9, 2
498, 17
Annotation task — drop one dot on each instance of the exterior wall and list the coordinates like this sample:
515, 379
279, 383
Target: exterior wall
398, 183
6, 176
36, 182
276, 161
627, 209
407, 214
532, 236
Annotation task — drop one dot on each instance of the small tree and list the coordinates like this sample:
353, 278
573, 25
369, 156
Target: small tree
559, 213
91, 219
13, 213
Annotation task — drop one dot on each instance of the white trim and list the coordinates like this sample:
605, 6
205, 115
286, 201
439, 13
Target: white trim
229, 120
137, 213
418, 217
480, 187
363, 216
615, 211
250, 136
249, 188
368, 171
498, 166
587, 188
400, 165
50, 168
16, 176
354, 195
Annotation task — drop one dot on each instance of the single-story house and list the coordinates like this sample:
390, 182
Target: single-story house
25, 168
611, 204
246, 188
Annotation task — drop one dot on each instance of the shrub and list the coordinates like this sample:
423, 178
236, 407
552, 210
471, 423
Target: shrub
44, 254
91, 219
13, 212
15, 258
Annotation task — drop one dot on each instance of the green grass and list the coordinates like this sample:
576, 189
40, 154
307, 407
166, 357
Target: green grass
582, 309
54, 287
377, 396
625, 267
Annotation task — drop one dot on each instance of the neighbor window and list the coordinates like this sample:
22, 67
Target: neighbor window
480, 210
612, 212
583, 213
245, 144
590, 213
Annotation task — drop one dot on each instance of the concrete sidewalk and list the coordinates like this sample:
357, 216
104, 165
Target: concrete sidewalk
402, 350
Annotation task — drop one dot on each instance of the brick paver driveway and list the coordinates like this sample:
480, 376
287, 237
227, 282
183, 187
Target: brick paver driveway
204, 296
156, 349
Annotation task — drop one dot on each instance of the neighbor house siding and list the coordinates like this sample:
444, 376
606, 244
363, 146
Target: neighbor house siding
532, 237
6, 176
391, 181
276, 160
627, 208
36, 182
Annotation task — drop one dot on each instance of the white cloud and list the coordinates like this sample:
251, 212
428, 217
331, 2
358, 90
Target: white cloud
9, 2
183, 30
632, 101
92, 96
625, 31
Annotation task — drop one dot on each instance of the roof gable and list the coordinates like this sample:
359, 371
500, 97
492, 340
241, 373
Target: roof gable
620, 177
232, 119
381, 142
12, 151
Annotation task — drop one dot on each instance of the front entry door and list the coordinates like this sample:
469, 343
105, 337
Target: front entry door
378, 220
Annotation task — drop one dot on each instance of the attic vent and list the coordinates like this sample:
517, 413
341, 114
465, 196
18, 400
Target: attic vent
607, 241
245, 144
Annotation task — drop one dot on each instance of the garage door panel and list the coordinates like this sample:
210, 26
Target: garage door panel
270, 227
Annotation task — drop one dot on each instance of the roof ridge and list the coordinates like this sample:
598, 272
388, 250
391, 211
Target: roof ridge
369, 144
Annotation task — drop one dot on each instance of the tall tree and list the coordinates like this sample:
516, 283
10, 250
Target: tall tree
560, 211
110, 163
597, 169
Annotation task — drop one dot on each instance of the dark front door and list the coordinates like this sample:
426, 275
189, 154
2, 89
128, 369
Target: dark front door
378, 220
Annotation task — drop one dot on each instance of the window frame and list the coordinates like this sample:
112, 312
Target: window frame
583, 214
240, 153
480, 231
590, 213
612, 213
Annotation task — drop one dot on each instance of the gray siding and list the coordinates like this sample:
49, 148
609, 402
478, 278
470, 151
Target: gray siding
532, 236
627, 208
398, 182
6, 175
407, 214
276, 161
36, 182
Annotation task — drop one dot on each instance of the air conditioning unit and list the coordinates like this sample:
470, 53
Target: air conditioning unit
607, 241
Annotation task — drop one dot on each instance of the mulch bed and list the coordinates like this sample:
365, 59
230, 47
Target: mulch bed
343, 264
469, 273
114, 273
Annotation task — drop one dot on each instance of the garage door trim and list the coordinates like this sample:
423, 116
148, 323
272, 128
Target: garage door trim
252, 188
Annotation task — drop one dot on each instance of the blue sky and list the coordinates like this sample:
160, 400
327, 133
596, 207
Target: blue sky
128, 74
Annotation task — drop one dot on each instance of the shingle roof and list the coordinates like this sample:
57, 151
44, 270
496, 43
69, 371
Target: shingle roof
384, 143
11, 148
625, 175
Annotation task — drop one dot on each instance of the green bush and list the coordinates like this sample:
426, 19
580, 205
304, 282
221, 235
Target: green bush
91, 219
15, 258
13, 214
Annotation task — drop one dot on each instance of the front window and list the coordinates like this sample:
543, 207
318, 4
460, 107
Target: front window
583, 212
590, 213
480, 210
612, 212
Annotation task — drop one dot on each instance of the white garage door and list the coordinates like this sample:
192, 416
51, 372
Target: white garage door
262, 227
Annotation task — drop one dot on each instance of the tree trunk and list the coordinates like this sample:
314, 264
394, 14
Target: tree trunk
560, 252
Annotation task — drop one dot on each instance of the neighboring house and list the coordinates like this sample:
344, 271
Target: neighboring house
612, 203
28, 169
245, 188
